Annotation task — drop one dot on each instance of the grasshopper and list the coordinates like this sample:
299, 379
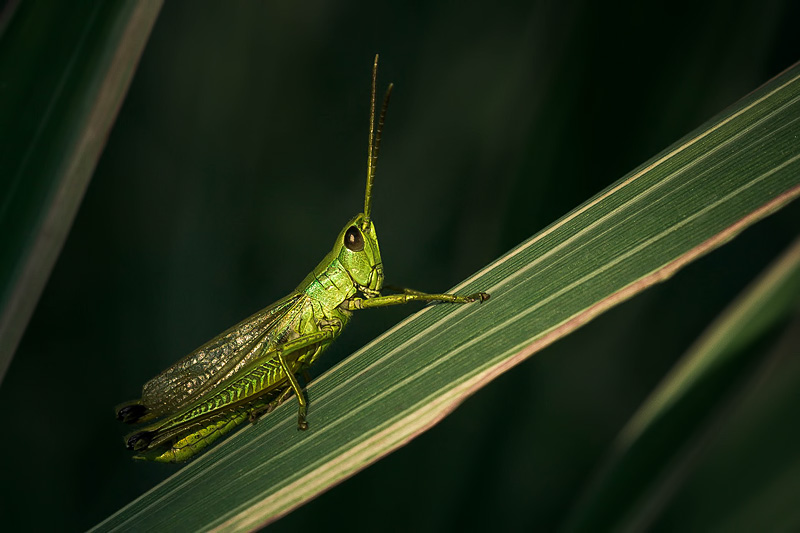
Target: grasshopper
252, 367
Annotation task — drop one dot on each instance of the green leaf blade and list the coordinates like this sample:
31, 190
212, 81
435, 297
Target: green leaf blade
64, 71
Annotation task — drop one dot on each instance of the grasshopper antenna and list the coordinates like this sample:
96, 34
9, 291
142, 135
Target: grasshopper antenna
374, 140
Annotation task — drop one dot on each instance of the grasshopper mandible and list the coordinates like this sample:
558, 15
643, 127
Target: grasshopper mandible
249, 369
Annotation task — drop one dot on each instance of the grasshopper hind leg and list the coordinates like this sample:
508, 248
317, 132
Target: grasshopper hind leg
140, 440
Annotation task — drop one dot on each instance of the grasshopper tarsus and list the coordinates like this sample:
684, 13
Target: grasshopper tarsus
479, 297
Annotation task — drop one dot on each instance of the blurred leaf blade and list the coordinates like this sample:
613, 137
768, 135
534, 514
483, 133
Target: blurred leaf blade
745, 463
634, 484
64, 72
730, 173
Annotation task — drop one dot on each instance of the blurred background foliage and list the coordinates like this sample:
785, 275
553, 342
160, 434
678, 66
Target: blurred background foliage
239, 152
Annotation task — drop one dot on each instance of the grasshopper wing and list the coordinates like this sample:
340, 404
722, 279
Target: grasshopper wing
214, 362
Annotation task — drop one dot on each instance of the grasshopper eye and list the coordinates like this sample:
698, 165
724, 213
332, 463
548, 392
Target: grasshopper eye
353, 239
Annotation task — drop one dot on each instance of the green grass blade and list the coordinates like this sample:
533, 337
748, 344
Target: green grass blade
744, 465
693, 197
654, 453
64, 71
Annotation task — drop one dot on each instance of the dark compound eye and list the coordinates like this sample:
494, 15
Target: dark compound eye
354, 240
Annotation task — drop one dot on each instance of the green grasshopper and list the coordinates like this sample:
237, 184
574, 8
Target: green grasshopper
249, 369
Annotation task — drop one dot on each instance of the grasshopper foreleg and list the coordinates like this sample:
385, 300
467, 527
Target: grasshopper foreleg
410, 295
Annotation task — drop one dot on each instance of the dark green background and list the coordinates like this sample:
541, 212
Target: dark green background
239, 153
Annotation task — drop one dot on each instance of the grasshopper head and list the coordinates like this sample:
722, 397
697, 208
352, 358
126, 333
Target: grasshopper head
360, 254
357, 248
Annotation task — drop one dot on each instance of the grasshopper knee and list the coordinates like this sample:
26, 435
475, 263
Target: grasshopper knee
130, 414
139, 441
